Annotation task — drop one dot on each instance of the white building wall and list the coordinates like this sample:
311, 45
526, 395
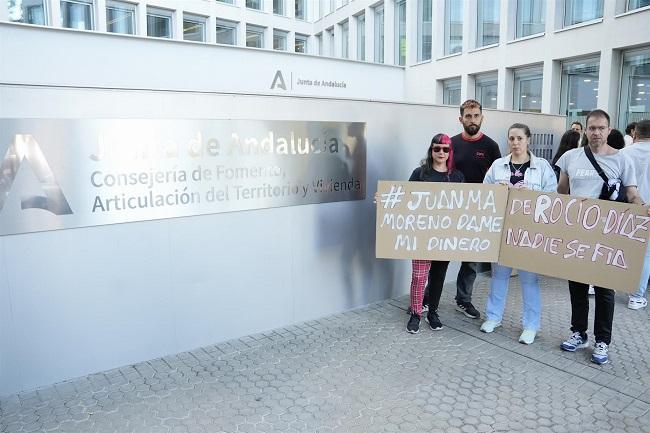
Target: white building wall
78, 301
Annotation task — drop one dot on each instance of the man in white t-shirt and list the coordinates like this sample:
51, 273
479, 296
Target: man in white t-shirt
579, 176
639, 154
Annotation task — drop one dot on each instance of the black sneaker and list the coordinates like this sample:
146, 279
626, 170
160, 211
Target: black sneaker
468, 309
434, 321
414, 324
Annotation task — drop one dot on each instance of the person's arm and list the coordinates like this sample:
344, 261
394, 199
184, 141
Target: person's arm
549, 181
563, 183
632, 194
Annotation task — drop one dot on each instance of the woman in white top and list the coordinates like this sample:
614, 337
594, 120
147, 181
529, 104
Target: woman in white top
519, 169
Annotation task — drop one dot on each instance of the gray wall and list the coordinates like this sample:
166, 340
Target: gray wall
78, 301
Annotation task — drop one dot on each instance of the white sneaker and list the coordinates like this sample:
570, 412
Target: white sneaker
637, 302
591, 290
528, 336
489, 325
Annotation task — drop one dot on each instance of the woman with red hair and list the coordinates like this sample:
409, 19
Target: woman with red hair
438, 166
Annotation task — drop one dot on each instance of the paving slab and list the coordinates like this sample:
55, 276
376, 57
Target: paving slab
360, 371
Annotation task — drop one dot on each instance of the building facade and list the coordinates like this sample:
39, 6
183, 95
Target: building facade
550, 56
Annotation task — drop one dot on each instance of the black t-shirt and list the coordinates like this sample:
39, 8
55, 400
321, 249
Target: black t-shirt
474, 157
435, 176
517, 173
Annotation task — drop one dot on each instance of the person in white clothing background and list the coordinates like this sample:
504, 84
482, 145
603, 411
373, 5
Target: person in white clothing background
640, 156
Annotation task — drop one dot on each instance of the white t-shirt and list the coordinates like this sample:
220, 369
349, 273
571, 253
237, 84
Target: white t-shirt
584, 180
639, 154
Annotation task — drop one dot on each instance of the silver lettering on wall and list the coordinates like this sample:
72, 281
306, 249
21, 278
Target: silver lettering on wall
117, 170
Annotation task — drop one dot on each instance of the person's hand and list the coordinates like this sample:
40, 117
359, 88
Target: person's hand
376, 199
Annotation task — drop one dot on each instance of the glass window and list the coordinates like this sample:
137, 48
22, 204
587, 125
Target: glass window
254, 4
636, 4
194, 28
451, 91
379, 34
345, 39
120, 17
579, 11
528, 89
27, 11
300, 45
254, 36
635, 87
424, 30
301, 9
486, 90
279, 40
159, 23
278, 7
400, 32
77, 15
487, 23
226, 1
453, 26
530, 17
226, 32
361, 37
579, 89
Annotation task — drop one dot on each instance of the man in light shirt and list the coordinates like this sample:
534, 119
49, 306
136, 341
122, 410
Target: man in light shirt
578, 175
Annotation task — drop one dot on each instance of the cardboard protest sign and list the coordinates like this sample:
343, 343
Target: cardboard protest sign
440, 221
591, 241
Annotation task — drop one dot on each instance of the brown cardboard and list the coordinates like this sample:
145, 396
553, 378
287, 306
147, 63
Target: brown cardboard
469, 232
563, 236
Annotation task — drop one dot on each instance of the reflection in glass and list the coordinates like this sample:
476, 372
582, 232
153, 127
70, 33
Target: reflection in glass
76, 15
453, 26
530, 17
579, 11
579, 89
635, 87
26, 11
120, 18
487, 25
424, 30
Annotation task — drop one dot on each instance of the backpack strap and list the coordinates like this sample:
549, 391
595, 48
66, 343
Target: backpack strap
593, 161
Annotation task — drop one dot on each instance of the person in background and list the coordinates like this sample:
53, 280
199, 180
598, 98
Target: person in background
438, 166
474, 153
640, 156
578, 175
519, 169
577, 126
570, 140
615, 139
630, 133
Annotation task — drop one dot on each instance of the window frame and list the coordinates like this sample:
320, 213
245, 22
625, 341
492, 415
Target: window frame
258, 30
161, 13
124, 6
232, 25
90, 3
198, 19
528, 73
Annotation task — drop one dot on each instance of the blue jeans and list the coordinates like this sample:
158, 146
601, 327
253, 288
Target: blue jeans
645, 274
496, 302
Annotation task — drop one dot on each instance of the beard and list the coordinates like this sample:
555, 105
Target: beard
472, 129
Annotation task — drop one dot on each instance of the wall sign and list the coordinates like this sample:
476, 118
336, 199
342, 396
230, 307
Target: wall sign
58, 174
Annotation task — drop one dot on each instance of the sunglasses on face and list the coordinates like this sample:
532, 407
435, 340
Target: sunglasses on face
437, 149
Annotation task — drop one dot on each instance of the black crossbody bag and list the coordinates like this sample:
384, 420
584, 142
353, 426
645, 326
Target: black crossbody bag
612, 192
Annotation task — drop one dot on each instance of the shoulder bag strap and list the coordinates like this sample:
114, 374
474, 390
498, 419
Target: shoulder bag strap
593, 161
